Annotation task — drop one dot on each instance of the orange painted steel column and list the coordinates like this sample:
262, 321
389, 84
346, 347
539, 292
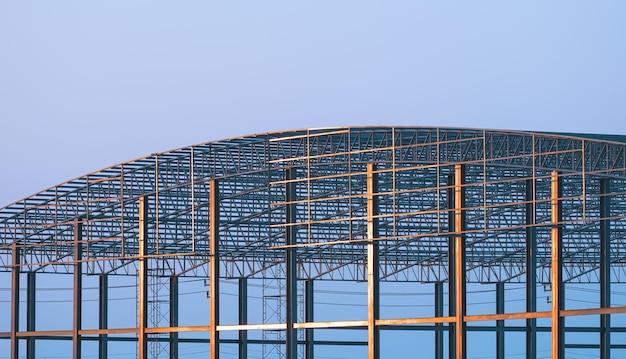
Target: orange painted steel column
142, 277
214, 263
459, 261
373, 275
558, 351
15, 301
78, 289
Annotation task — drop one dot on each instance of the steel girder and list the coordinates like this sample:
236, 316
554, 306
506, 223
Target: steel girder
330, 202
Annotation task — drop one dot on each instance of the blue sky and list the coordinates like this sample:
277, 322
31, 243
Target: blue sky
87, 84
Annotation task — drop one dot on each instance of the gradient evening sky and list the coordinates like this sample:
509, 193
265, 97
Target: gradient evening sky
88, 84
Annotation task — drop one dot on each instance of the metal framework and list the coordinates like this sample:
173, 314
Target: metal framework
455, 215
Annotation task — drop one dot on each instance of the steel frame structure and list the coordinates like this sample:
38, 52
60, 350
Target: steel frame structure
443, 207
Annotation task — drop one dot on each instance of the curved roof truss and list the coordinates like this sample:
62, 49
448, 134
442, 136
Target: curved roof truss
507, 176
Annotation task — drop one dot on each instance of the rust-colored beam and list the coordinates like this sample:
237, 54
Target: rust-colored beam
78, 289
558, 349
373, 273
15, 300
324, 325
142, 279
459, 261
214, 263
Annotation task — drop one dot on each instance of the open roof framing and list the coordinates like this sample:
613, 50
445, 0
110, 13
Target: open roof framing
418, 204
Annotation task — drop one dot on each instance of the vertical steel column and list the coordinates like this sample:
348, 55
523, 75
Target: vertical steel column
605, 267
291, 266
459, 261
142, 277
15, 301
373, 275
103, 316
557, 271
243, 317
174, 316
531, 265
500, 323
30, 313
438, 326
214, 262
451, 266
309, 349
78, 288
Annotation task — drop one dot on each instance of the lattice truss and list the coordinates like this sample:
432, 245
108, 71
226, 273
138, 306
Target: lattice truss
507, 180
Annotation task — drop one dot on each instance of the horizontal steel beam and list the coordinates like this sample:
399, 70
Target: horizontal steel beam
94, 334
383, 323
